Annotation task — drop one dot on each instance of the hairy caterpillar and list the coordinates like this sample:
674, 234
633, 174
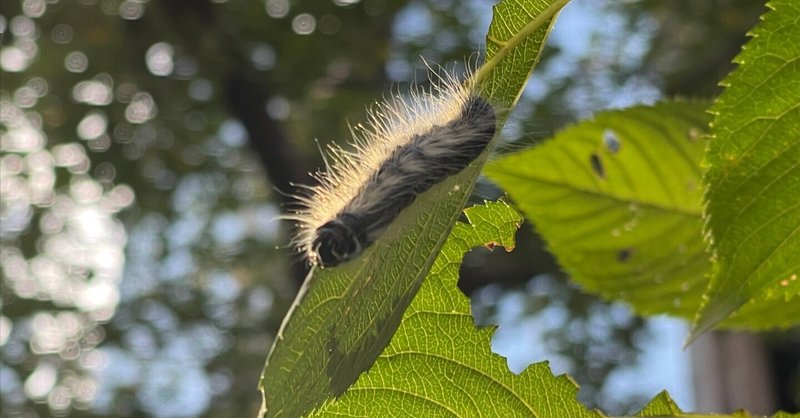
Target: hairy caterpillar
407, 146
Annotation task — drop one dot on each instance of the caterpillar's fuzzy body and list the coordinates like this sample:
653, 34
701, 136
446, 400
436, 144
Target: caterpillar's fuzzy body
407, 146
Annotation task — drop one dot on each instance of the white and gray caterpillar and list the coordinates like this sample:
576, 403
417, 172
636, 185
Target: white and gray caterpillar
406, 148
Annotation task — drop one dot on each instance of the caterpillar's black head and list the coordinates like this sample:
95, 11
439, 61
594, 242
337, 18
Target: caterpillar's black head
339, 240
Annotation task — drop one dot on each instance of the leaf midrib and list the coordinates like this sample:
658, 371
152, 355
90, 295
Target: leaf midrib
620, 199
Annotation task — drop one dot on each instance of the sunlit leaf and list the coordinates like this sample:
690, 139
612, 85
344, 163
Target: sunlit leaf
662, 406
753, 181
439, 364
513, 47
618, 201
344, 316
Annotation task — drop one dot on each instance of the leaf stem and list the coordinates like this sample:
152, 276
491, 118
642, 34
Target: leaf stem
517, 39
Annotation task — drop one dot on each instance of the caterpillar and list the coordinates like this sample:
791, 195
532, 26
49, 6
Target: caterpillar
406, 146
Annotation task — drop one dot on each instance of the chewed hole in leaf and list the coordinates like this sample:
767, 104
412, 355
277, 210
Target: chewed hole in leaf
611, 141
694, 133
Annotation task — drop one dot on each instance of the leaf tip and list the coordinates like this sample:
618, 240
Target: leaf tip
694, 334
714, 310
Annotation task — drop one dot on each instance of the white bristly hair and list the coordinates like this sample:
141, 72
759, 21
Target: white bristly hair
407, 145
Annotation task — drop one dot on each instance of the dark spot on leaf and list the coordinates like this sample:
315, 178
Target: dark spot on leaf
491, 245
597, 165
611, 141
624, 255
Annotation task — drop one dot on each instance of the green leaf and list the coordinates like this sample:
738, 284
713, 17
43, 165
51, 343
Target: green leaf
753, 181
439, 364
618, 200
662, 406
343, 317
513, 47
